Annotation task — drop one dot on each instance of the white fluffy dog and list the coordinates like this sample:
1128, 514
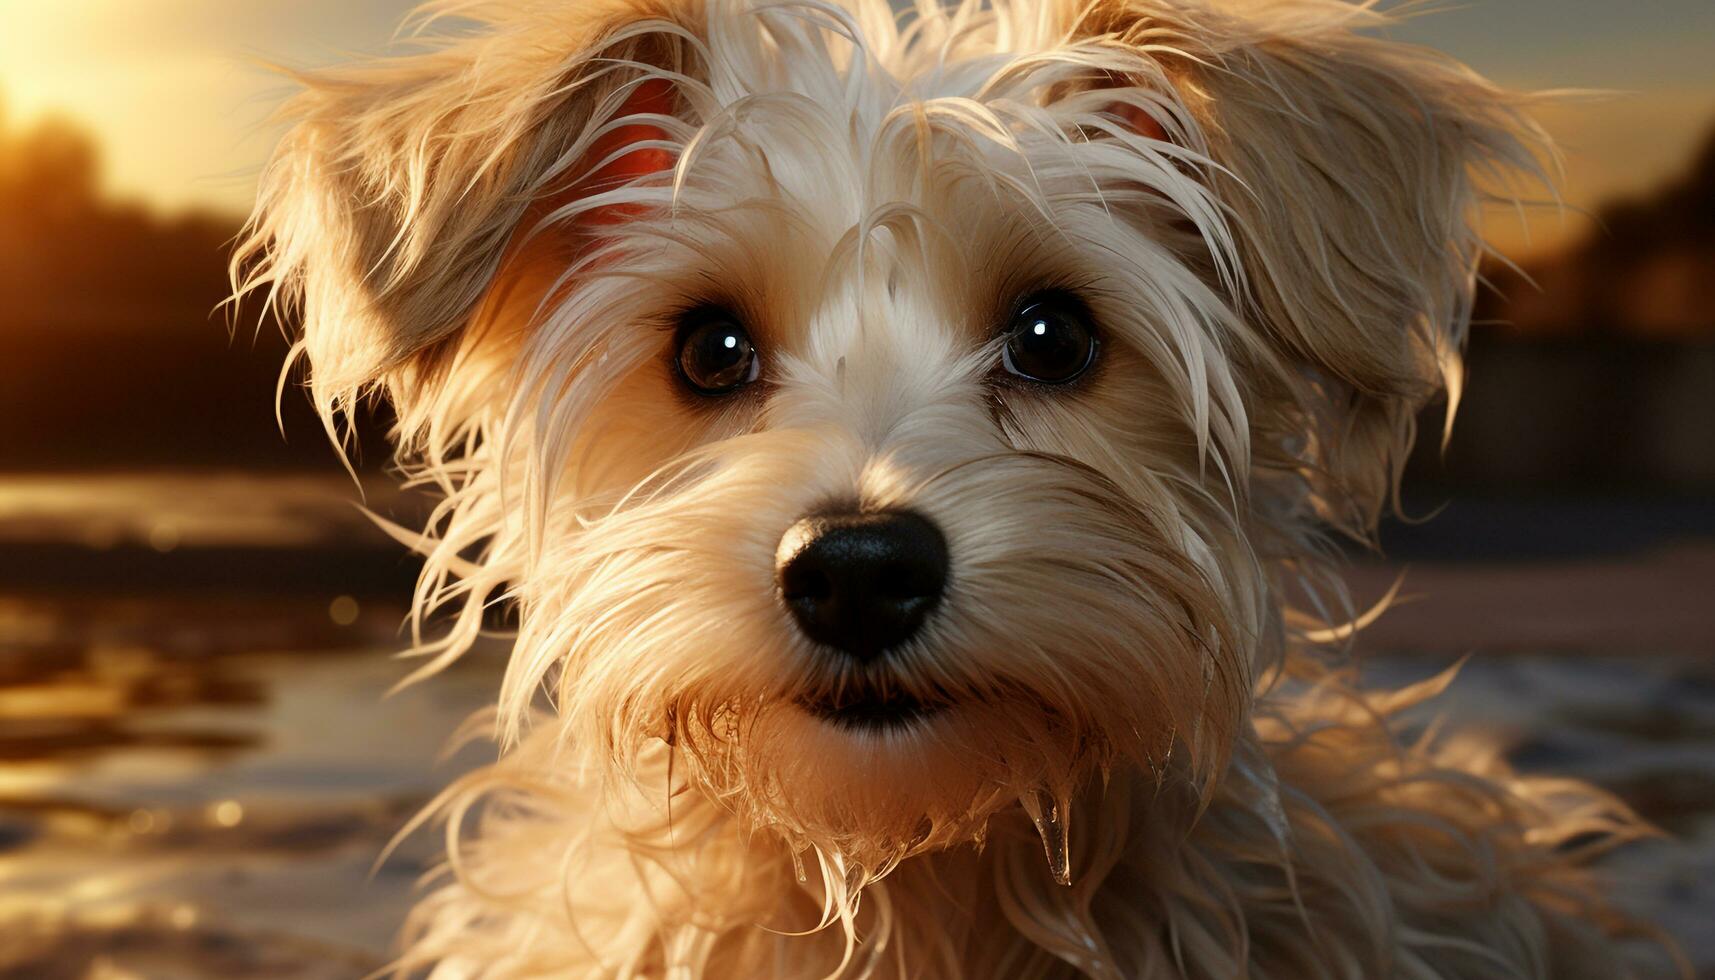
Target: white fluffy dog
909, 445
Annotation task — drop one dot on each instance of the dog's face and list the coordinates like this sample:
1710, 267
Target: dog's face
896, 423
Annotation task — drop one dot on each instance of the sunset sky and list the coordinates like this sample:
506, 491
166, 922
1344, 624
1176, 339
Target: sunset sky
174, 88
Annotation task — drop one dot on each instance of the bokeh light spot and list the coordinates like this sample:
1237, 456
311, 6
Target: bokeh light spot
343, 610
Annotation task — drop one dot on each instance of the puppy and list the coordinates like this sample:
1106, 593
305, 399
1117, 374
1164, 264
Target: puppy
909, 447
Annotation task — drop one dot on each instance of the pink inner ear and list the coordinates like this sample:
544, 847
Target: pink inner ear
655, 97
1138, 121
533, 263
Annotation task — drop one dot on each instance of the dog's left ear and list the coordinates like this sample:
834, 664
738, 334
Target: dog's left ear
1352, 169
390, 205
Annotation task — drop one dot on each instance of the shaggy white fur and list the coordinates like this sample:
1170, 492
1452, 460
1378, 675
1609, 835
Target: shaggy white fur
1148, 761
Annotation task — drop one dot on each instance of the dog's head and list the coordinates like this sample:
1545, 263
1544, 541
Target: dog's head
899, 422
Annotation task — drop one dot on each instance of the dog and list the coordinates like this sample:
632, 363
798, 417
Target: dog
911, 448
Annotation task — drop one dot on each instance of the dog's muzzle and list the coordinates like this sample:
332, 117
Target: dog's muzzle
862, 584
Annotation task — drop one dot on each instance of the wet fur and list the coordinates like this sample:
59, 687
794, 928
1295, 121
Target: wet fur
1273, 217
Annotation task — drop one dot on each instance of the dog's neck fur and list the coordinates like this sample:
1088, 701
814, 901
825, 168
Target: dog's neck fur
1326, 851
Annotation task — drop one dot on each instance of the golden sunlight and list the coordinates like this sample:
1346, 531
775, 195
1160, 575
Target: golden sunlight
175, 90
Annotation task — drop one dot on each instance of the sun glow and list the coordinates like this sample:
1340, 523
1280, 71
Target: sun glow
174, 90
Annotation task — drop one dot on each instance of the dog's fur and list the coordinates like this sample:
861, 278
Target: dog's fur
1154, 765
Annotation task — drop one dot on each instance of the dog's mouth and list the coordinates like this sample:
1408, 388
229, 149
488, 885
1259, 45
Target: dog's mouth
867, 707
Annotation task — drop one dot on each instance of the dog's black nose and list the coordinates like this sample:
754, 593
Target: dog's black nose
862, 583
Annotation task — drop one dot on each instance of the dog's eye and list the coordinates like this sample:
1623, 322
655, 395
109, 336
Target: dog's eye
1050, 340
715, 353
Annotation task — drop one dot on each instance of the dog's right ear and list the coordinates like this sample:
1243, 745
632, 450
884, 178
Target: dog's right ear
387, 209
1352, 171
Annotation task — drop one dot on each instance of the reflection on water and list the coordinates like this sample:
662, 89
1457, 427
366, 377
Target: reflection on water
198, 765
165, 511
208, 802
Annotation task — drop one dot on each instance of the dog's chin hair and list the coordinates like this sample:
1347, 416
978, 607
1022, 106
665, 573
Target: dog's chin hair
868, 800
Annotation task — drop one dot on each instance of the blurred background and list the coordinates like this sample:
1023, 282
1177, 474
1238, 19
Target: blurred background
197, 764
